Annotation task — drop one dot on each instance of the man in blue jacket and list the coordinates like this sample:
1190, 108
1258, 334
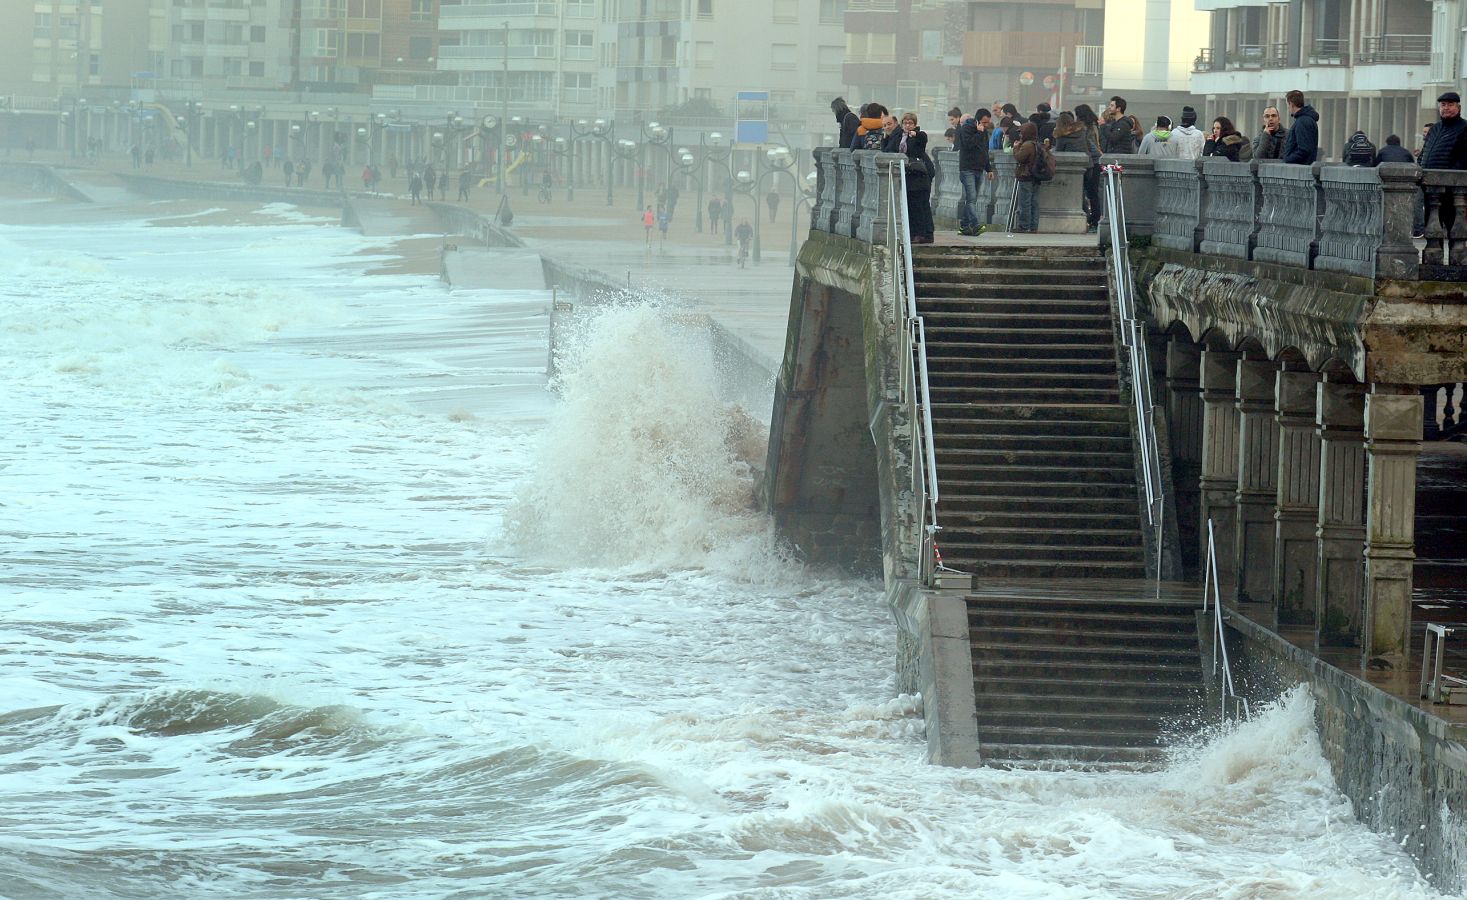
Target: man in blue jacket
973, 160
1301, 145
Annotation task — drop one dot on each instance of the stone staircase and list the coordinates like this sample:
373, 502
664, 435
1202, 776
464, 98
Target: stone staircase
1034, 454
1074, 658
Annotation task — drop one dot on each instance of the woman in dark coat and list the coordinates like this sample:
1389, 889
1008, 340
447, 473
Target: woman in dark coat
912, 141
1225, 141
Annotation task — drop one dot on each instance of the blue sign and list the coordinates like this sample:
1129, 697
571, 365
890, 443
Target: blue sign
751, 117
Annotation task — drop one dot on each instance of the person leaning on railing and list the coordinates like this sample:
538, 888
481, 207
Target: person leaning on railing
912, 141
1446, 148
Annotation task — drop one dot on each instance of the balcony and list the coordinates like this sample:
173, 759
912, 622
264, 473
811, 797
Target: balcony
1014, 49
1394, 49
490, 52
491, 16
1089, 59
1328, 52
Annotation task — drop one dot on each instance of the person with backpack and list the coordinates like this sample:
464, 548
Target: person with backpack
872, 131
1156, 140
415, 188
1359, 151
1225, 141
1033, 165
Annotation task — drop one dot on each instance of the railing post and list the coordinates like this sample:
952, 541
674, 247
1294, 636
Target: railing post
1397, 257
847, 193
1392, 441
820, 209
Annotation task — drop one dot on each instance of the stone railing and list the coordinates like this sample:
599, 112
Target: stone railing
849, 193
1330, 218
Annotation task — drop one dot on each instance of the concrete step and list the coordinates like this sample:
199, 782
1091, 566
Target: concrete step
1026, 335
1039, 289
1182, 607
961, 373
986, 568
1075, 708
1068, 756
1040, 473
1072, 413
981, 347
1043, 430
1010, 520
1100, 639
1122, 504
1063, 683
1041, 455
1026, 367
1015, 396
1003, 320
959, 545
1058, 657
1062, 618
1144, 728
1052, 734
939, 274
961, 489
956, 533
951, 256
1079, 443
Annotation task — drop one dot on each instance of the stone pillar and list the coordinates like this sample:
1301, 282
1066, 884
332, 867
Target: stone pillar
1392, 442
1396, 257
1218, 476
1339, 593
1184, 426
1297, 514
1258, 461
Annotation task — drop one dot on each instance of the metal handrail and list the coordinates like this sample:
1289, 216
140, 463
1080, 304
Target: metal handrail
1219, 646
1133, 336
915, 379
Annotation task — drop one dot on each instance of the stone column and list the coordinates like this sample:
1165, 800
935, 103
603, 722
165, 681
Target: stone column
1392, 442
1184, 426
1218, 477
1258, 461
1297, 514
1339, 593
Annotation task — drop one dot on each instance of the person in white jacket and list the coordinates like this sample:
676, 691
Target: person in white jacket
1187, 142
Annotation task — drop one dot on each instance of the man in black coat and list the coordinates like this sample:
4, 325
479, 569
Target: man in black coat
1446, 148
847, 121
973, 162
1301, 144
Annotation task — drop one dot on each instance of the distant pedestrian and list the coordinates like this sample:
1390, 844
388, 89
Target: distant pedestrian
772, 201
443, 185
672, 197
376, 178
1028, 162
302, 172
1301, 145
715, 206
1121, 133
1270, 141
465, 181
1393, 152
974, 163
664, 219
1157, 141
1187, 141
137, 156
1359, 151
1446, 148
648, 220
392, 165
415, 188
288, 168
366, 178
743, 234
846, 121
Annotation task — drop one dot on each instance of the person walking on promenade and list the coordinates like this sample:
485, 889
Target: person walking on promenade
465, 181
648, 220
302, 172
1158, 140
1301, 145
664, 219
1226, 142
137, 156
443, 185
1359, 151
415, 188
714, 206
288, 168
1028, 158
772, 201
743, 234
973, 162
1446, 148
366, 178
1121, 132
1187, 141
845, 120
1270, 141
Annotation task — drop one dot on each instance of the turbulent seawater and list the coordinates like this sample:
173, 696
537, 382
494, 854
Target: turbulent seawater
311, 588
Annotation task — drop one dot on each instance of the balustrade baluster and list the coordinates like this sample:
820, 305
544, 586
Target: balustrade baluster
1450, 411
1458, 238
1429, 430
1436, 236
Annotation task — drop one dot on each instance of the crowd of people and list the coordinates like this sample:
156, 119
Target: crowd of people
1032, 142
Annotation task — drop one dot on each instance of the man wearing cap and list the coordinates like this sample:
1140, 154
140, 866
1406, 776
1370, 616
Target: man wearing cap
1187, 141
1446, 147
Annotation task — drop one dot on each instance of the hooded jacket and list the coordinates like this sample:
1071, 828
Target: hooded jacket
1270, 146
1360, 151
1075, 138
1446, 146
1231, 146
1187, 142
1118, 135
972, 148
868, 135
1157, 142
848, 122
1393, 153
1301, 146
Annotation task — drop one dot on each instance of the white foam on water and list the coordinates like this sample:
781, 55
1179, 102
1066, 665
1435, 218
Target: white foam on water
281, 621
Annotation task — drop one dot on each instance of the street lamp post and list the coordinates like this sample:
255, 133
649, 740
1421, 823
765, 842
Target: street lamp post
565, 151
191, 109
780, 161
715, 151
687, 164
627, 151
655, 135
504, 109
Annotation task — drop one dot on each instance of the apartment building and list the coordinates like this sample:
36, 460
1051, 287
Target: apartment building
543, 53
904, 54
51, 46
1376, 66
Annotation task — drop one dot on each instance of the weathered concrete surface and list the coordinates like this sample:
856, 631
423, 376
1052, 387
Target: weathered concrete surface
1404, 770
42, 179
171, 188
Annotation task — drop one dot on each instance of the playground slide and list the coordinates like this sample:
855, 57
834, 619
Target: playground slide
492, 177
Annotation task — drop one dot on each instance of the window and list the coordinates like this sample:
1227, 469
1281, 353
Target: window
42, 28
580, 9
703, 54
580, 87
705, 9
786, 10
783, 56
233, 67
422, 11
365, 44
94, 64
257, 34
257, 70
364, 9
931, 47
420, 47
832, 12
828, 59
579, 45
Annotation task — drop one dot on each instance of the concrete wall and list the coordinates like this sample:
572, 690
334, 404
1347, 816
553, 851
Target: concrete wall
1404, 771
42, 179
